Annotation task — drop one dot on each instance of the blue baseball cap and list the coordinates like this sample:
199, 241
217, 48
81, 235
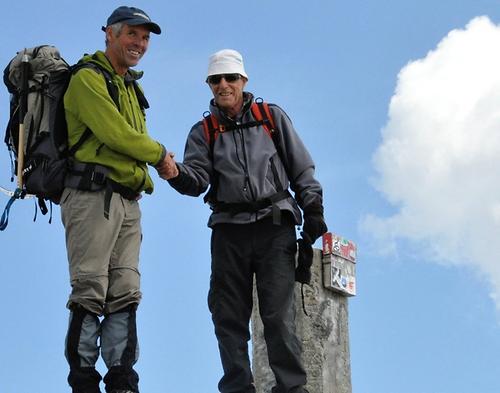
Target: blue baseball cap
132, 16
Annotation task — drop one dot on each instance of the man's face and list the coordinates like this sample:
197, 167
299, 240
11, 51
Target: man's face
229, 95
127, 48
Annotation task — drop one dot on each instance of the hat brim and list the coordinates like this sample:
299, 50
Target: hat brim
153, 27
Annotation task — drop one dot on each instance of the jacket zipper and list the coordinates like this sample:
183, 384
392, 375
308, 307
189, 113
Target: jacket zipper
245, 166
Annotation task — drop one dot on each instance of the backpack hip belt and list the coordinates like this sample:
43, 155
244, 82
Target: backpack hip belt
86, 176
93, 177
254, 207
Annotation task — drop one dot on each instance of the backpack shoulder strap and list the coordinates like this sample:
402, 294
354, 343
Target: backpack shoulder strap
112, 89
262, 113
211, 129
143, 102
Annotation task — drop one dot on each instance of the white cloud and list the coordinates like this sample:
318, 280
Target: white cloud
439, 160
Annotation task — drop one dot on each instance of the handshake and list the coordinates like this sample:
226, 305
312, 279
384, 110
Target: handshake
167, 169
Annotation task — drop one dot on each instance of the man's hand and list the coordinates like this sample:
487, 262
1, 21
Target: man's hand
167, 169
314, 225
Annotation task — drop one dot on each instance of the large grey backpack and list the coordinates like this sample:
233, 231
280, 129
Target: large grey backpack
37, 79
41, 104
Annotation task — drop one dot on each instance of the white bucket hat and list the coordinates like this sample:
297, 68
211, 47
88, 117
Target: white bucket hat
226, 61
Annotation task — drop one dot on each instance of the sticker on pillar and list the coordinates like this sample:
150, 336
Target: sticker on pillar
339, 274
338, 245
339, 264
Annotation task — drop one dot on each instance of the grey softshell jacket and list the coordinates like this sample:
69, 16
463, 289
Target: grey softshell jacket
243, 159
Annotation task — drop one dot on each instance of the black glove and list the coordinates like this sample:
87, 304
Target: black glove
304, 260
314, 225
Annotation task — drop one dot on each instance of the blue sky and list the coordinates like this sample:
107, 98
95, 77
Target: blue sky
402, 119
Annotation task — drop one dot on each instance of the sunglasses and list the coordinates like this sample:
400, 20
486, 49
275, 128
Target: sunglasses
215, 79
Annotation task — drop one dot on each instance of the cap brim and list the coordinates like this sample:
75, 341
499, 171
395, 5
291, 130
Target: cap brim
153, 27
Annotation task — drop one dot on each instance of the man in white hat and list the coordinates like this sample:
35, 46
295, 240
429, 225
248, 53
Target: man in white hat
250, 166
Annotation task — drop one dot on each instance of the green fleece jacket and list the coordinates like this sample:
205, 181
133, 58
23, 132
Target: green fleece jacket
119, 138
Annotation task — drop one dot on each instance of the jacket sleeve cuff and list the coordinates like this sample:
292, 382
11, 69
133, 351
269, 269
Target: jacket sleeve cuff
162, 157
181, 182
314, 209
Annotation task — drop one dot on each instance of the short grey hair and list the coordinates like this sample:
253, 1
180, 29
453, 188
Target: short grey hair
116, 30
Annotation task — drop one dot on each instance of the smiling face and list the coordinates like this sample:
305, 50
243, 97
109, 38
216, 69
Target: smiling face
229, 95
126, 48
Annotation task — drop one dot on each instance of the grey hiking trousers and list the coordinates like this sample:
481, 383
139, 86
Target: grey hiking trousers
103, 259
103, 253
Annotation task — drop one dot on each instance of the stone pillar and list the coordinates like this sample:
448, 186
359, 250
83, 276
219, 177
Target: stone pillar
323, 332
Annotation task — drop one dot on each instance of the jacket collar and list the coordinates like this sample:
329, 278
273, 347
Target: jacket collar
247, 103
100, 58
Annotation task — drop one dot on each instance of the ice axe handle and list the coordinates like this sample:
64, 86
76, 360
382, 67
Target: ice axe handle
22, 113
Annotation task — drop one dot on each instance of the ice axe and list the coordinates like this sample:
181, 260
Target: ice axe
20, 192
23, 106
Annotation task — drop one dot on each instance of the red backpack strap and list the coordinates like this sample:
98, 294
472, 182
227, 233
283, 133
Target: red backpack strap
261, 112
211, 129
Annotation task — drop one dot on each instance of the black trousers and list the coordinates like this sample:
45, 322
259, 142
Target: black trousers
238, 252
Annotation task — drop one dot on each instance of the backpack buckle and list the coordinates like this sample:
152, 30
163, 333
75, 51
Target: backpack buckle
98, 178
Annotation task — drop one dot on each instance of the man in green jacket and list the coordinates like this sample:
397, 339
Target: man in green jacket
99, 206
